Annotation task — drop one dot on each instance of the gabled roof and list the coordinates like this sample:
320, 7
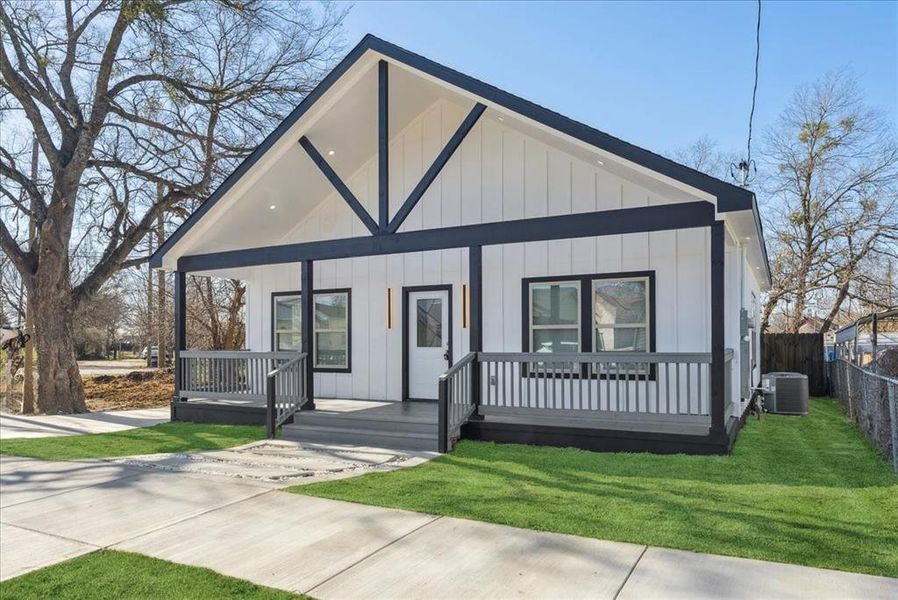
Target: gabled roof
729, 197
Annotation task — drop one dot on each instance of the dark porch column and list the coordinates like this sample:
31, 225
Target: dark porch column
475, 316
308, 328
718, 376
180, 341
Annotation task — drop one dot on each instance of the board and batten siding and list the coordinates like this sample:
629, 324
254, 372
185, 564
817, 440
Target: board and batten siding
498, 173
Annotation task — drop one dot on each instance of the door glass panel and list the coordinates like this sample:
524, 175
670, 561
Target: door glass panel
430, 322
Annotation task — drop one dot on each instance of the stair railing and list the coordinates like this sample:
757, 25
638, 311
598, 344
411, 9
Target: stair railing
457, 399
286, 391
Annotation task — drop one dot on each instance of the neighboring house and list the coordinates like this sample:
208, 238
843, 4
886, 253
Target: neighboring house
579, 290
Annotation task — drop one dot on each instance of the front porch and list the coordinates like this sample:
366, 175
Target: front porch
659, 402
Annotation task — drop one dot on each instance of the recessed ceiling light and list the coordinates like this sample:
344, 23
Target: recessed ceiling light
600, 162
331, 152
272, 207
748, 237
501, 118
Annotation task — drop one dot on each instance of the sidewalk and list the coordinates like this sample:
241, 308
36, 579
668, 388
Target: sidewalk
52, 511
27, 426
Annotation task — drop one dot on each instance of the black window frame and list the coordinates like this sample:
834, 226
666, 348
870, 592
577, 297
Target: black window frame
317, 369
587, 338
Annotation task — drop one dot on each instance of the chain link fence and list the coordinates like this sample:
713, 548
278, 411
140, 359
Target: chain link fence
871, 401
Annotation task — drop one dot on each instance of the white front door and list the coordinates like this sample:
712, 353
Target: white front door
428, 342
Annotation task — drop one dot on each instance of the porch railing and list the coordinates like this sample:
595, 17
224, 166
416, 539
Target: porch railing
664, 386
228, 375
286, 392
456, 399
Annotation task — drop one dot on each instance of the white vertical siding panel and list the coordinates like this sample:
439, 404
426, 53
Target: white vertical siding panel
471, 174
635, 246
362, 332
493, 290
608, 247
558, 188
512, 175
377, 327
583, 199
393, 358
513, 272
492, 177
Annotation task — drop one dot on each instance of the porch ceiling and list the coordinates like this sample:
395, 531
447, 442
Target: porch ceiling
267, 197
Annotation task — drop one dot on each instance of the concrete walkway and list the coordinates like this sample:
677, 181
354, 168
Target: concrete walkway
27, 426
52, 511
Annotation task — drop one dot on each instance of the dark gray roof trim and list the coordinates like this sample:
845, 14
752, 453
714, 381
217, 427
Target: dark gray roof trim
729, 197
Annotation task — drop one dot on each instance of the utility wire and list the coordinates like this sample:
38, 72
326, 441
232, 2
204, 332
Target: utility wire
742, 172
754, 92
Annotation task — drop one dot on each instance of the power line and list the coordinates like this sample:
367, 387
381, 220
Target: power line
746, 167
754, 92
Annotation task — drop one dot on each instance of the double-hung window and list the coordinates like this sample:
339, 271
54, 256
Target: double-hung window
589, 313
331, 333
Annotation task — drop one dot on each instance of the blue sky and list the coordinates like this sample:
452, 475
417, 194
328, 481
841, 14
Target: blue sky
656, 74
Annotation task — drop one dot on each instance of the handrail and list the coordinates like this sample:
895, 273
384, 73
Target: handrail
281, 368
235, 354
295, 396
456, 399
585, 357
459, 365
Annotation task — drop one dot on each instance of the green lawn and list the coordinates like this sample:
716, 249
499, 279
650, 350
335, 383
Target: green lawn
167, 437
122, 575
806, 490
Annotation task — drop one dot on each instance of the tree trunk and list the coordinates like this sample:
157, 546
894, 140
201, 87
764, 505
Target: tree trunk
59, 389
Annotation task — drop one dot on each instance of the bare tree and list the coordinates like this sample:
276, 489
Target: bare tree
124, 96
704, 155
216, 316
831, 185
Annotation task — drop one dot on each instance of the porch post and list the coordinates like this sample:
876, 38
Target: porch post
475, 318
180, 341
308, 327
718, 374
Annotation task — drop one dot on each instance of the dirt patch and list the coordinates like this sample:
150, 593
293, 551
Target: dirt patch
139, 389
135, 390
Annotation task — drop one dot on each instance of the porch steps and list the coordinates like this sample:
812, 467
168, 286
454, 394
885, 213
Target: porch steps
372, 428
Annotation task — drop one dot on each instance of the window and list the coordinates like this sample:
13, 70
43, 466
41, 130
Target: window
590, 313
331, 333
555, 316
332, 330
288, 322
620, 309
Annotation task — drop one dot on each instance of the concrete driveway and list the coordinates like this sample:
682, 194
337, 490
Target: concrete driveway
52, 511
28, 426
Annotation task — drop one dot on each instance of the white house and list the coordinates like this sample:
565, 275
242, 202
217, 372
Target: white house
549, 283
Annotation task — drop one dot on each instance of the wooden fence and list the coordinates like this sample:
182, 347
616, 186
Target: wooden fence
799, 353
